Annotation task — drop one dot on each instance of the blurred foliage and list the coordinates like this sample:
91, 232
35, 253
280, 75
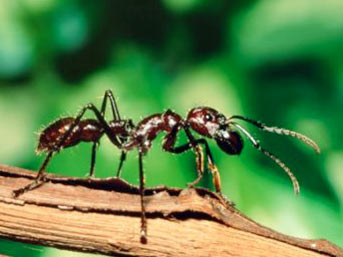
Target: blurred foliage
277, 61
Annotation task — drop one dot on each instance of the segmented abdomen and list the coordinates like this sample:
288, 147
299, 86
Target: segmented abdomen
87, 130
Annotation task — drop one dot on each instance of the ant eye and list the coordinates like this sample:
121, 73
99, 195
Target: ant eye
208, 117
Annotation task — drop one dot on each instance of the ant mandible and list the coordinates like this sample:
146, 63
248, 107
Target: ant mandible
206, 121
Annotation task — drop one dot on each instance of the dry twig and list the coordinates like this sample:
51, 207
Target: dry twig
102, 216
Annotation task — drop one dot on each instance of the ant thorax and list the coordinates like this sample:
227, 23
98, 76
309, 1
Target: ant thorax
147, 130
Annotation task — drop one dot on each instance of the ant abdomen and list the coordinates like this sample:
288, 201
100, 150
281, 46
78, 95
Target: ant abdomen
88, 130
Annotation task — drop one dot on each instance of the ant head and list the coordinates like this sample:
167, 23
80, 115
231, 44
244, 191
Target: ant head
210, 123
205, 121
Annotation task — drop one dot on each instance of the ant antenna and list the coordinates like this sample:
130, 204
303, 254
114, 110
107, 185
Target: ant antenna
256, 144
280, 131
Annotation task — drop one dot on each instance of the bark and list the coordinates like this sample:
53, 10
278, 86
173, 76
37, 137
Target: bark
103, 216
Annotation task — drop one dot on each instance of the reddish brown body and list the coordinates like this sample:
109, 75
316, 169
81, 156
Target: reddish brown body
88, 130
147, 130
206, 121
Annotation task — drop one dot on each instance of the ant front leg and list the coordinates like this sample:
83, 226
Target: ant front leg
211, 166
215, 173
168, 145
199, 164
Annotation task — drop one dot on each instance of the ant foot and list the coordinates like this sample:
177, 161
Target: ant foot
18, 192
143, 239
36, 183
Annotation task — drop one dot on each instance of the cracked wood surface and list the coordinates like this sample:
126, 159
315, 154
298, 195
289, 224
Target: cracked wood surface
103, 216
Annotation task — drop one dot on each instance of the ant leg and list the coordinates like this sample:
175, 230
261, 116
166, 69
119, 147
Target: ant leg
199, 164
39, 179
280, 131
93, 158
143, 237
113, 138
199, 159
116, 116
256, 144
215, 173
211, 166
100, 116
168, 145
122, 159
114, 107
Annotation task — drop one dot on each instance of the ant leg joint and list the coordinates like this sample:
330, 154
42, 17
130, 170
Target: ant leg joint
89, 106
109, 92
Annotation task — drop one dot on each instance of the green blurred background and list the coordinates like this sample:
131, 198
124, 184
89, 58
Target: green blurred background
278, 61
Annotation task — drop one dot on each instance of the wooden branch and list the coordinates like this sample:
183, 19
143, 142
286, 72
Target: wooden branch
103, 216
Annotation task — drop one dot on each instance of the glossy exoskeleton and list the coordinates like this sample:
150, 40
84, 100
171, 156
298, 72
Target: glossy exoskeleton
205, 121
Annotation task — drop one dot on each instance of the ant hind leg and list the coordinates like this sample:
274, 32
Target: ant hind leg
38, 181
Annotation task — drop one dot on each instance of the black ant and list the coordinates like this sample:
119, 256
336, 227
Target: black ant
206, 121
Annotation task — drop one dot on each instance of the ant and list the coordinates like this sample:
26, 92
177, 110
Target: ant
206, 121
